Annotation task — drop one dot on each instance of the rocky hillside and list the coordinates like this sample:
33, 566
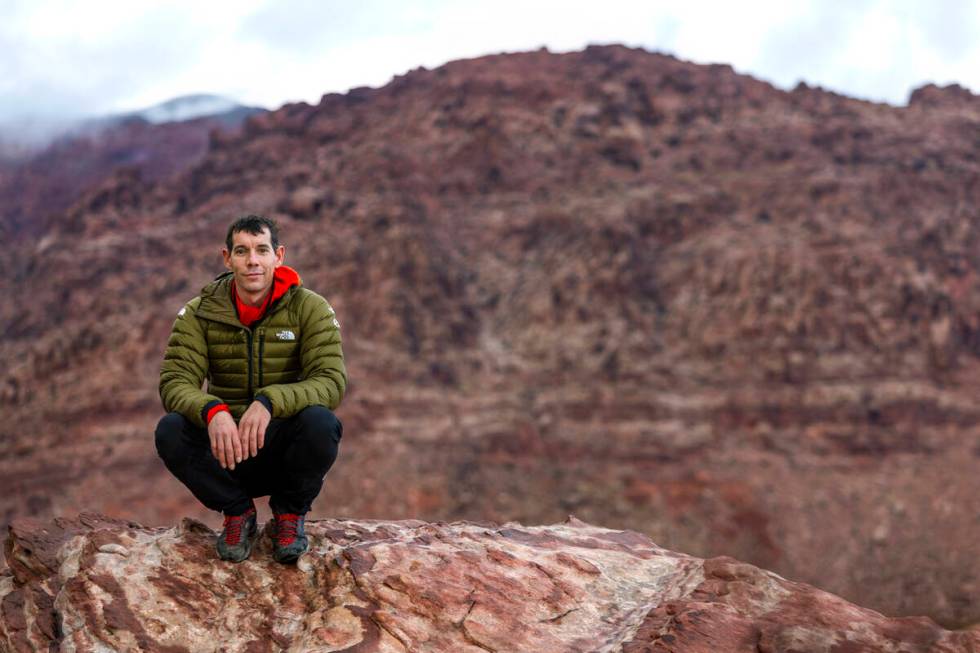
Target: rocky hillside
93, 584
36, 186
662, 296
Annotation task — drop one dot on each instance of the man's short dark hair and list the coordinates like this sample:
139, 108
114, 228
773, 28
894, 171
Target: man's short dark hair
253, 224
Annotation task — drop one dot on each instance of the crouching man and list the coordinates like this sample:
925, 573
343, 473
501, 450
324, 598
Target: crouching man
270, 351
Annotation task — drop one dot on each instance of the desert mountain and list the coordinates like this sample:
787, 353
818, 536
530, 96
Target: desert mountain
658, 295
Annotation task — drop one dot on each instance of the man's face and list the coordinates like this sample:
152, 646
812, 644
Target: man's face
253, 261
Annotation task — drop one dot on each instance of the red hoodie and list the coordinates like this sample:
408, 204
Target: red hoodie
283, 279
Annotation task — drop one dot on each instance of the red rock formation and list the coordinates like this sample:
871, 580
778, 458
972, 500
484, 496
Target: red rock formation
659, 295
95, 584
35, 187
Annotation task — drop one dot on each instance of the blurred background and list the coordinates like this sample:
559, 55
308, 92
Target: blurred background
707, 271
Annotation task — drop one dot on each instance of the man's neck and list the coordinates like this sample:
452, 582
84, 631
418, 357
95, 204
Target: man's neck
252, 299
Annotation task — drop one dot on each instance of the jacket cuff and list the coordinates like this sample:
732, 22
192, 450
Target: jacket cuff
211, 409
265, 401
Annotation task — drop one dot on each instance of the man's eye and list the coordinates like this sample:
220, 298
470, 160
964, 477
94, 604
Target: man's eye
239, 251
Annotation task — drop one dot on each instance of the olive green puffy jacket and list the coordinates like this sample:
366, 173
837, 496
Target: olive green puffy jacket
292, 355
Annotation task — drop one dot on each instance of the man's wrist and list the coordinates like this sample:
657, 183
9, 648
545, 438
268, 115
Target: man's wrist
212, 409
265, 401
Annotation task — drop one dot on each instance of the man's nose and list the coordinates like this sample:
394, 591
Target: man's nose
253, 257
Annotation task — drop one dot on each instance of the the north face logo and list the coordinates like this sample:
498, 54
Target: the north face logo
286, 335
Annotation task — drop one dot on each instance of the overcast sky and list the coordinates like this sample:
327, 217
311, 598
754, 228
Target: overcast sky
64, 57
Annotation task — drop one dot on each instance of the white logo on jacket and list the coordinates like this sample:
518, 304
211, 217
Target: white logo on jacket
286, 335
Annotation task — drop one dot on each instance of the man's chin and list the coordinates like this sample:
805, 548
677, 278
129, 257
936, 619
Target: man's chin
251, 286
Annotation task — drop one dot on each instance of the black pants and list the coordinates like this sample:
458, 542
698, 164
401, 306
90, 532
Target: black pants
290, 467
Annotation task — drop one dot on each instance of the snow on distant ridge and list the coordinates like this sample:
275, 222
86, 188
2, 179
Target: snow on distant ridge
187, 107
24, 136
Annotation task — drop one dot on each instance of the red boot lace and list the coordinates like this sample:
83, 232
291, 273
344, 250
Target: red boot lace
233, 527
286, 528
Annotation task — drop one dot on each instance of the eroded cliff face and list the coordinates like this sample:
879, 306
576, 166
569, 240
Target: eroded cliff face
657, 295
95, 584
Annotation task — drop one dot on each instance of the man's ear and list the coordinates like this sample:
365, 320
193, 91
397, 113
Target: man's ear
227, 257
280, 255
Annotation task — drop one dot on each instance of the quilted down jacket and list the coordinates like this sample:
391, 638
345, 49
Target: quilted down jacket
292, 355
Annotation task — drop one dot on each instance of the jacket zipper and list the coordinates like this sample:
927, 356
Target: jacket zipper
261, 354
248, 339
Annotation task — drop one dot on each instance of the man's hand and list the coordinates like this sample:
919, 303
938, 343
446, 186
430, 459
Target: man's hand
252, 427
226, 443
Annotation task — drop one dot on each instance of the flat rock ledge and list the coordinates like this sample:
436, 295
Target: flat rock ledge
98, 584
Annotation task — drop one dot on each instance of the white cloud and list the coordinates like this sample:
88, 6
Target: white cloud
63, 57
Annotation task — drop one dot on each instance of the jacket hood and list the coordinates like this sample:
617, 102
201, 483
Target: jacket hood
284, 277
216, 297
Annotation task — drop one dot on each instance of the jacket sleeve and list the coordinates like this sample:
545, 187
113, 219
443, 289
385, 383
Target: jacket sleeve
185, 365
324, 375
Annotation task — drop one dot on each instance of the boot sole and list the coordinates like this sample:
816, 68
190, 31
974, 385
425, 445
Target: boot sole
289, 558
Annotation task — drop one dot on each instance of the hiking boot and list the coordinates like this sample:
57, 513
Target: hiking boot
235, 542
289, 537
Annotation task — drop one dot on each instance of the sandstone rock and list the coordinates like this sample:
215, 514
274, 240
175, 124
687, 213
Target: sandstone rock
303, 203
96, 584
931, 95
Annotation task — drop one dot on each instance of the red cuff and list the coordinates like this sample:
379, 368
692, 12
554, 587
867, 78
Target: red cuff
214, 411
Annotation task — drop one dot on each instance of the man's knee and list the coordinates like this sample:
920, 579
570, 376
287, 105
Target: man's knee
320, 420
169, 433
320, 430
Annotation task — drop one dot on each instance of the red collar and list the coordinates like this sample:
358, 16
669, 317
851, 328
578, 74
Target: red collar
284, 278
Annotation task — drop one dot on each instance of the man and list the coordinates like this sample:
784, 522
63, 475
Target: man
270, 351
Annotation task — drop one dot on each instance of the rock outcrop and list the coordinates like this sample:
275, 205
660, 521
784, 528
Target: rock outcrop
96, 584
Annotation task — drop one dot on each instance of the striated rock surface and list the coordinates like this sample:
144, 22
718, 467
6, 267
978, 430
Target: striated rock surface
96, 584
657, 295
